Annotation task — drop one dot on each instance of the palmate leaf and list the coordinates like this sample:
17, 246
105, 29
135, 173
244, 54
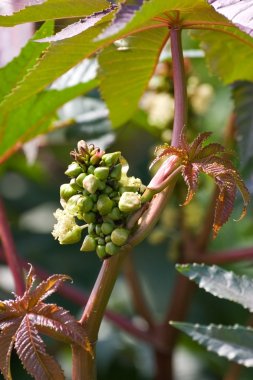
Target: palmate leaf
31, 351
221, 283
125, 69
237, 11
23, 318
54, 9
35, 116
15, 71
232, 342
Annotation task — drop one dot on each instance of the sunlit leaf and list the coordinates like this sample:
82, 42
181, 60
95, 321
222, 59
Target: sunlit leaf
233, 342
221, 283
126, 67
54, 9
237, 11
35, 117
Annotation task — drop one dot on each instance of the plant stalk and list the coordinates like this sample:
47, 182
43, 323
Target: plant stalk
180, 94
10, 252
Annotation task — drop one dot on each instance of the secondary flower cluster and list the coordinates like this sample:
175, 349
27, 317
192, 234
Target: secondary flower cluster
100, 194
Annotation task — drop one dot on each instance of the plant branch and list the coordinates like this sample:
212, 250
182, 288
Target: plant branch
10, 252
226, 257
180, 95
138, 297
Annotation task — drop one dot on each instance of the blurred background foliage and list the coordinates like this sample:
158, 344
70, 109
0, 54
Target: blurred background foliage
29, 186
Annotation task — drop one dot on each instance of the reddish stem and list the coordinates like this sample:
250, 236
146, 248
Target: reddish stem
10, 252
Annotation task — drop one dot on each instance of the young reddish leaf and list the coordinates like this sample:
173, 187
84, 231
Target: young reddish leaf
190, 174
20, 320
46, 288
59, 323
212, 160
6, 344
31, 351
30, 278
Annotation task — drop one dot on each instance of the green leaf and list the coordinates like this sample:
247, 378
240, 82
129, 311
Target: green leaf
15, 71
223, 46
54, 9
35, 116
233, 342
221, 283
242, 93
57, 59
126, 68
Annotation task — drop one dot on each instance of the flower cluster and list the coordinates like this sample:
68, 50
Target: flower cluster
100, 194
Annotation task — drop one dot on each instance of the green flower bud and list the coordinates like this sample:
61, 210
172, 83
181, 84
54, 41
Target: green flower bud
75, 185
101, 185
89, 217
91, 228
85, 204
94, 197
107, 228
91, 169
108, 190
104, 204
100, 241
72, 204
116, 172
119, 236
129, 202
95, 159
108, 238
80, 178
98, 229
89, 244
72, 236
67, 191
115, 214
111, 159
111, 248
101, 251
90, 183
101, 172
74, 169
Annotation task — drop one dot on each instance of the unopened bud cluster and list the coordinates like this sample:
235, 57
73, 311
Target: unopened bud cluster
101, 195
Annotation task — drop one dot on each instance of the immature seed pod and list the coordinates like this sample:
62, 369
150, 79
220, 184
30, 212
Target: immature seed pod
89, 217
74, 169
111, 159
101, 172
85, 204
119, 236
80, 178
104, 204
107, 228
129, 202
67, 191
116, 172
101, 251
91, 169
89, 244
111, 248
72, 236
90, 183
115, 214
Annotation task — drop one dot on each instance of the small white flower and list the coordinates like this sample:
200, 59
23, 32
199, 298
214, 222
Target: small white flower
66, 230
